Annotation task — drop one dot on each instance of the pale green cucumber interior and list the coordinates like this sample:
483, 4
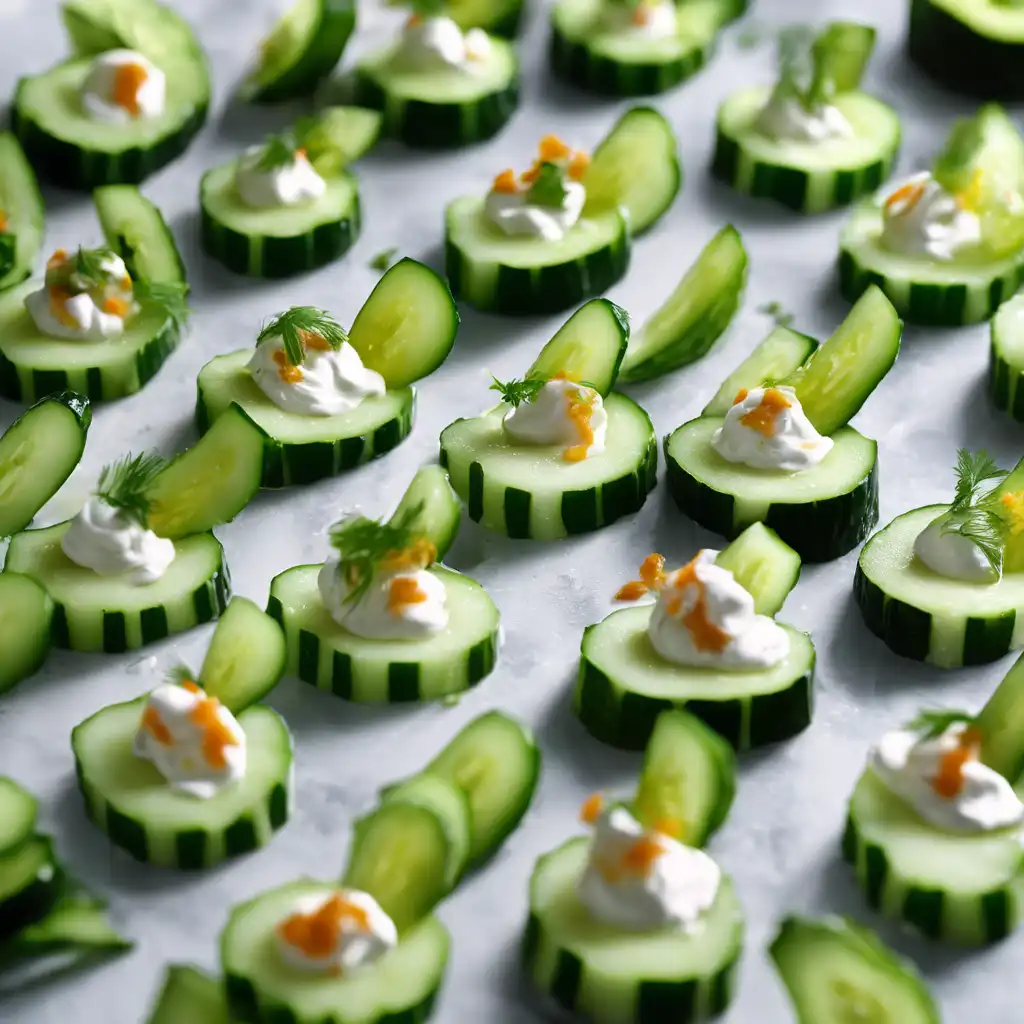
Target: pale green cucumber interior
764, 565
342, 136
1008, 332
190, 996
450, 805
1001, 723
18, 808
999, 21
26, 615
22, 205
136, 229
481, 13
31, 861
286, 43
439, 510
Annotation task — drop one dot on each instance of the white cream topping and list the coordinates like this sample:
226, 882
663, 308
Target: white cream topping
291, 184
438, 44
952, 556
548, 418
921, 218
786, 119
106, 99
516, 215
647, 19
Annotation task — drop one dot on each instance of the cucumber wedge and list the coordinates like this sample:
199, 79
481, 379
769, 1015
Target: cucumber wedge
1001, 724
24, 216
26, 624
764, 565
497, 17
440, 512
190, 996
31, 883
18, 810
341, 136
136, 230
77, 924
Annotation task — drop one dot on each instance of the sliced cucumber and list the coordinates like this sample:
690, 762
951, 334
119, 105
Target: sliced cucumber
809, 177
132, 803
636, 168
688, 780
821, 512
624, 684
495, 761
683, 329
1006, 358
26, 628
497, 17
136, 230
533, 492
38, 452
280, 241
774, 359
303, 48
440, 109
588, 347
927, 617
341, 135
406, 328
76, 924
999, 722
190, 995
18, 810
837, 971
765, 566
402, 986
105, 613
22, 206
500, 273
610, 976
331, 658
246, 657
31, 882
34, 365
439, 509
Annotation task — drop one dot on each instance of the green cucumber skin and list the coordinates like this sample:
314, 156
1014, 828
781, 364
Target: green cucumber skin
36, 900
1006, 386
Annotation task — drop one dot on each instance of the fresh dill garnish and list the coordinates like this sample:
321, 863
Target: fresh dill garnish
778, 313
172, 296
548, 189
931, 724
384, 259
180, 674
88, 266
124, 484
518, 392
278, 151
975, 513
291, 326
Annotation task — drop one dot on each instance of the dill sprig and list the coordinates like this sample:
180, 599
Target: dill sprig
87, 266
975, 513
930, 724
125, 484
291, 326
384, 259
172, 296
180, 674
518, 392
548, 189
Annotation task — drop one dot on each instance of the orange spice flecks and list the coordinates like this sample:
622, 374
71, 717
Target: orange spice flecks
3, 220
652, 577
631, 591
530, 176
907, 196
671, 827
506, 182
187, 684
317, 934
59, 258
59, 307
581, 410
764, 418
970, 198
1013, 503
949, 780
285, 370
154, 724
418, 555
741, 396
312, 340
217, 737
641, 857
552, 149
412, 21
592, 809
404, 591
116, 306
706, 636
128, 80
578, 165
641, 13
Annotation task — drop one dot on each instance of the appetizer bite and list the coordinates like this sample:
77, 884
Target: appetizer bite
813, 141
947, 245
557, 234
637, 925
708, 641
945, 583
562, 454
22, 215
128, 101
289, 206
382, 620
327, 399
774, 445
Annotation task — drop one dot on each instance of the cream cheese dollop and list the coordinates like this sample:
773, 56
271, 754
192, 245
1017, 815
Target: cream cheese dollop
123, 86
647, 20
290, 184
921, 218
785, 118
438, 44
953, 556
562, 413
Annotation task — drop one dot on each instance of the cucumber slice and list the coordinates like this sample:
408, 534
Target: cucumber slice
440, 512
926, 617
987, 142
775, 358
402, 985
33, 365
635, 168
341, 136
105, 613
38, 452
302, 449
246, 657
496, 17
351, 667
1006, 358
278, 242
500, 273
841, 54
136, 230
588, 347
211, 482
406, 328
303, 48
821, 512
999, 722
31, 882
26, 623
189, 994
610, 976
624, 685
962, 888
496, 762
765, 566
683, 329
809, 177
440, 109
533, 492
76, 924
837, 971
688, 780
18, 810
839, 378
132, 803
22, 204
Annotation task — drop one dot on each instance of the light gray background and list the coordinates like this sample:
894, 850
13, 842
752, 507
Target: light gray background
781, 840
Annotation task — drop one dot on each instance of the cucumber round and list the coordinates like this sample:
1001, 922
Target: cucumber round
22, 204
26, 627
136, 230
325, 654
610, 976
624, 684
809, 177
401, 986
1006, 358
500, 273
104, 613
440, 512
189, 994
18, 811
962, 888
133, 804
31, 883
440, 109
281, 241
530, 491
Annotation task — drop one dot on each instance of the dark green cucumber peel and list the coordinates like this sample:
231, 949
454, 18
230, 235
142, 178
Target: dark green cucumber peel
40, 882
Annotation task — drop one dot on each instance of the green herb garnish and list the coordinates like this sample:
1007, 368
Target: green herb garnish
975, 514
278, 151
778, 313
171, 296
291, 325
180, 674
125, 484
518, 392
89, 264
548, 189
384, 259
931, 724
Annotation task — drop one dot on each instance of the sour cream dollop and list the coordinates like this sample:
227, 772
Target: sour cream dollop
786, 119
647, 19
921, 218
123, 86
514, 214
438, 44
290, 184
953, 556
562, 413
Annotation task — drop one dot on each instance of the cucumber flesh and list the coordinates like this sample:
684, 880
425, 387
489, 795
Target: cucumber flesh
841, 53
589, 346
407, 326
26, 622
764, 565
1001, 724
31, 882
688, 779
22, 204
136, 230
77, 924
695, 315
341, 136
246, 657
190, 996
1013, 550
18, 809
987, 142
440, 512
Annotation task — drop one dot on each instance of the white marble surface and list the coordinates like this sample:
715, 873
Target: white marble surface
781, 841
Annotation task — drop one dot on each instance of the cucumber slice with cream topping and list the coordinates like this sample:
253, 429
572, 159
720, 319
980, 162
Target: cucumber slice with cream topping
26, 625
31, 883
18, 810
136, 230
21, 204
189, 994
439, 511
